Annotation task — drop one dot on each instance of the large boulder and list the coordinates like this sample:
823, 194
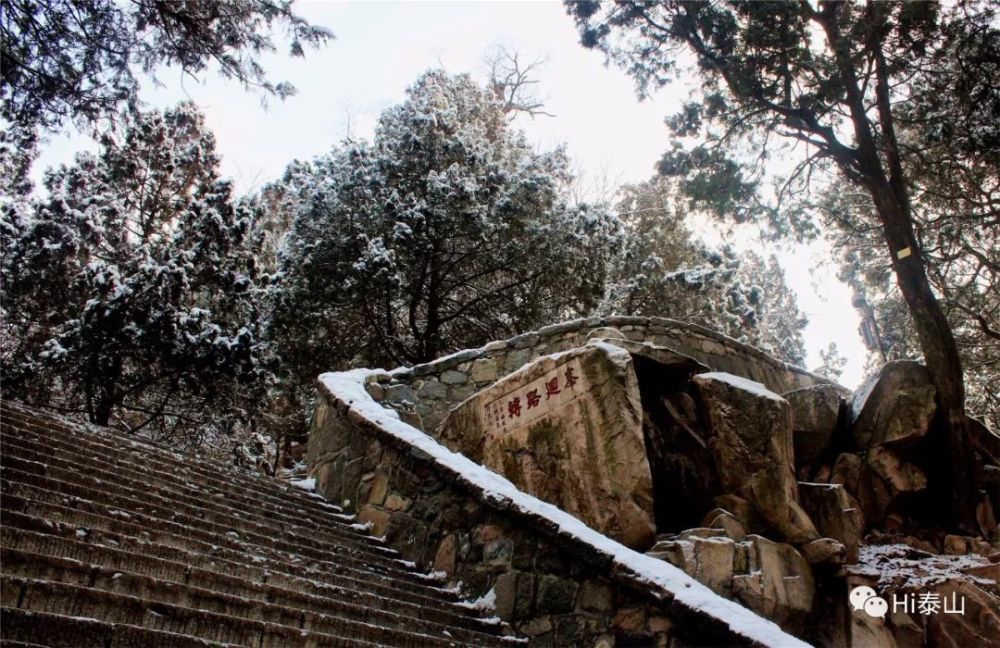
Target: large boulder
751, 442
978, 624
567, 428
709, 560
900, 475
815, 413
778, 583
877, 478
866, 630
835, 513
894, 406
771, 578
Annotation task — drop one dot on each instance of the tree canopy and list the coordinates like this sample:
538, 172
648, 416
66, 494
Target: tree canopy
131, 292
446, 231
662, 269
850, 84
77, 59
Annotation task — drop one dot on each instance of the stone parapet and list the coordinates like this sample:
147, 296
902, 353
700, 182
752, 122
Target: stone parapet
432, 389
552, 578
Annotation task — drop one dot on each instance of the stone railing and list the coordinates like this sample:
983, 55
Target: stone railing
429, 391
544, 572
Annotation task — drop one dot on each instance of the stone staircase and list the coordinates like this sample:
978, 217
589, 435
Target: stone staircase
107, 540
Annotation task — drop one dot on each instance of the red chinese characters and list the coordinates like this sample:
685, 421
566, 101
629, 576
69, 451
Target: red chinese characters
502, 412
514, 407
552, 388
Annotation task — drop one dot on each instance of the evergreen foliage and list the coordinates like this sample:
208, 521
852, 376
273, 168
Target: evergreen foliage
664, 270
445, 232
832, 362
131, 292
949, 130
77, 59
851, 84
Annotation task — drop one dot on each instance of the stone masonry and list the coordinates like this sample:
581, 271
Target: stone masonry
552, 587
771, 487
425, 394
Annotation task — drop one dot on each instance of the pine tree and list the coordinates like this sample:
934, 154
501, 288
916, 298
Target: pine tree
841, 80
131, 292
832, 362
664, 270
73, 60
445, 232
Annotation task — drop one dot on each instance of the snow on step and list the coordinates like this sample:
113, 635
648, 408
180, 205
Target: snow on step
111, 540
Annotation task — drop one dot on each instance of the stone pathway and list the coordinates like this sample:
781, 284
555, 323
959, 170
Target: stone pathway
107, 540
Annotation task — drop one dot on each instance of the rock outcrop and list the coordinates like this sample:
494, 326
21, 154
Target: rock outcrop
751, 441
894, 406
933, 599
835, 513
567, 429
781, 503
771, 578
815, 414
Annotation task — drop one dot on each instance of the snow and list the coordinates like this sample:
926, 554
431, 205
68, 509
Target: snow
349, 387
901, 566
308, 485
745, 384
485, 603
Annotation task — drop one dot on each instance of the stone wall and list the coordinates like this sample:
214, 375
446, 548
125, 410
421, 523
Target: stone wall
425, 393
547, 583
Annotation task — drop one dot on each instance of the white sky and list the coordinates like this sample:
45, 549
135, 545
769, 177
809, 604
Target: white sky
382, 47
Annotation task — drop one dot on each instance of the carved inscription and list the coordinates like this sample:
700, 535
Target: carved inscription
525, 404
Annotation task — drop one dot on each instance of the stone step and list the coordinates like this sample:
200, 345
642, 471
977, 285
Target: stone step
75, 601
49, 490
280, 505
55, 519
98, 562
23, 628
112, 540
173, 564
108, 448
28, 418
278, 607
270, 496
204, 515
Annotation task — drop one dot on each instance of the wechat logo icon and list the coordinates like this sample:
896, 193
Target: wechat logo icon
865, 598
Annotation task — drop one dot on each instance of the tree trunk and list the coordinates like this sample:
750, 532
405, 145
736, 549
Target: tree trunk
957, 482
102, 412
959, 475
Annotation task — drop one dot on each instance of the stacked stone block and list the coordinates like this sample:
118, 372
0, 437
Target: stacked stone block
552, 588
425, 393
